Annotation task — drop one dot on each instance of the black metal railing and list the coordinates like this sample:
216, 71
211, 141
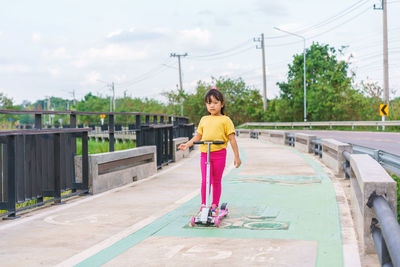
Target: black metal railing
160, 135
181, 126
36, 164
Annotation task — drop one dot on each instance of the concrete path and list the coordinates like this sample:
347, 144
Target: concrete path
283, 212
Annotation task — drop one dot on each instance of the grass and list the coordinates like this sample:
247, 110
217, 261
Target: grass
34, 201
100, 147
397, 179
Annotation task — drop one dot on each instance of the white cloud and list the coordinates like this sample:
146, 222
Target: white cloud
111, 52
15, 68
1, 33
114, 33
36, 37
58, 53
115, 52
196, 36
133, 34
91, 78
290, 27
54, 72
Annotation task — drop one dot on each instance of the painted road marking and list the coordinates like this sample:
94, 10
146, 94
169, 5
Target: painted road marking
128, 231
207, 251
132, 229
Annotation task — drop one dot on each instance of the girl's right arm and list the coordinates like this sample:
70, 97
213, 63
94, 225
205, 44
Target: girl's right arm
195, 138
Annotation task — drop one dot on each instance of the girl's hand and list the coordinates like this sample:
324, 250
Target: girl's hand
183, 147
237, 162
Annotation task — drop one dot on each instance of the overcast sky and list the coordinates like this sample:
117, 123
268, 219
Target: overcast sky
52, 48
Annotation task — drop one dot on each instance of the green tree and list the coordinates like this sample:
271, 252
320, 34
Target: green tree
242, 103
330, 95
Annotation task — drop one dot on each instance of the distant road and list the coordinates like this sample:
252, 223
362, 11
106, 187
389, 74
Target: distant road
389, 142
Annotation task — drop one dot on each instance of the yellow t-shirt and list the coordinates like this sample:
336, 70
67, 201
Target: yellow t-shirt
215, 128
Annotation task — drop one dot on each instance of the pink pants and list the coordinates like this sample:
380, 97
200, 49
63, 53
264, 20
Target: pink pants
217, 166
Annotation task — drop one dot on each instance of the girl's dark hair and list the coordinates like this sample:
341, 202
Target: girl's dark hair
217, 95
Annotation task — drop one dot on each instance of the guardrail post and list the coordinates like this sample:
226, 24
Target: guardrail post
72, 120
72, 124
162, 119
11, 178
155, 119
170, 142
57, 168
147, 119
38, 121
85, 161
138, 126
111, 132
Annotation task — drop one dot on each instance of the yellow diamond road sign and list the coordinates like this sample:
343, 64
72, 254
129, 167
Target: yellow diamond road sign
384, 109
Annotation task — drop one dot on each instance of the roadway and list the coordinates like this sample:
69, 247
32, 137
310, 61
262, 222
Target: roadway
386, 141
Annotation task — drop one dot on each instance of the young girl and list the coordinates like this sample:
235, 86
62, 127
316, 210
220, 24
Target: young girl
214, 127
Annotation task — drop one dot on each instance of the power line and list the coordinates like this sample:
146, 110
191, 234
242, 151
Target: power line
339, 15
225, 56
147, 74
341, 24
236, 47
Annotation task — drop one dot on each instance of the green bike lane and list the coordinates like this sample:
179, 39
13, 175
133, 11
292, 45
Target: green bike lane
283, 212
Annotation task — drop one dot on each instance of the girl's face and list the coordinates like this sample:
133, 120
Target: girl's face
215, 106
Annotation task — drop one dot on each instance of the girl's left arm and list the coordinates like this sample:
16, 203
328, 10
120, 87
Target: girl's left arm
235, 148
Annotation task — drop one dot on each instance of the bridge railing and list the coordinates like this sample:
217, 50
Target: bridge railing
39, 164
373, 191
329, 124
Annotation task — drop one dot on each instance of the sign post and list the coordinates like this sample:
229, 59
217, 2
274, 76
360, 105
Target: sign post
102, 116
384, 111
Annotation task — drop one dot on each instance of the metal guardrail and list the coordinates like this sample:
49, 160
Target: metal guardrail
385, 229
254, 134
290, 139
317, 147
323, 123
387, 235
346, 164
389, 161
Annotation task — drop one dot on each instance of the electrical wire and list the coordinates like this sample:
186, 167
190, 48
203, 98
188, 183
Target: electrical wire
334, 18
150, 73
341, 24
225, 56
238, 46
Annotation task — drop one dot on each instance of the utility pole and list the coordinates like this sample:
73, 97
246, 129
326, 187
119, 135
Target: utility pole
48, 108
113, 90
180, 74
385, 55
73, 95
262, 47
304, 69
